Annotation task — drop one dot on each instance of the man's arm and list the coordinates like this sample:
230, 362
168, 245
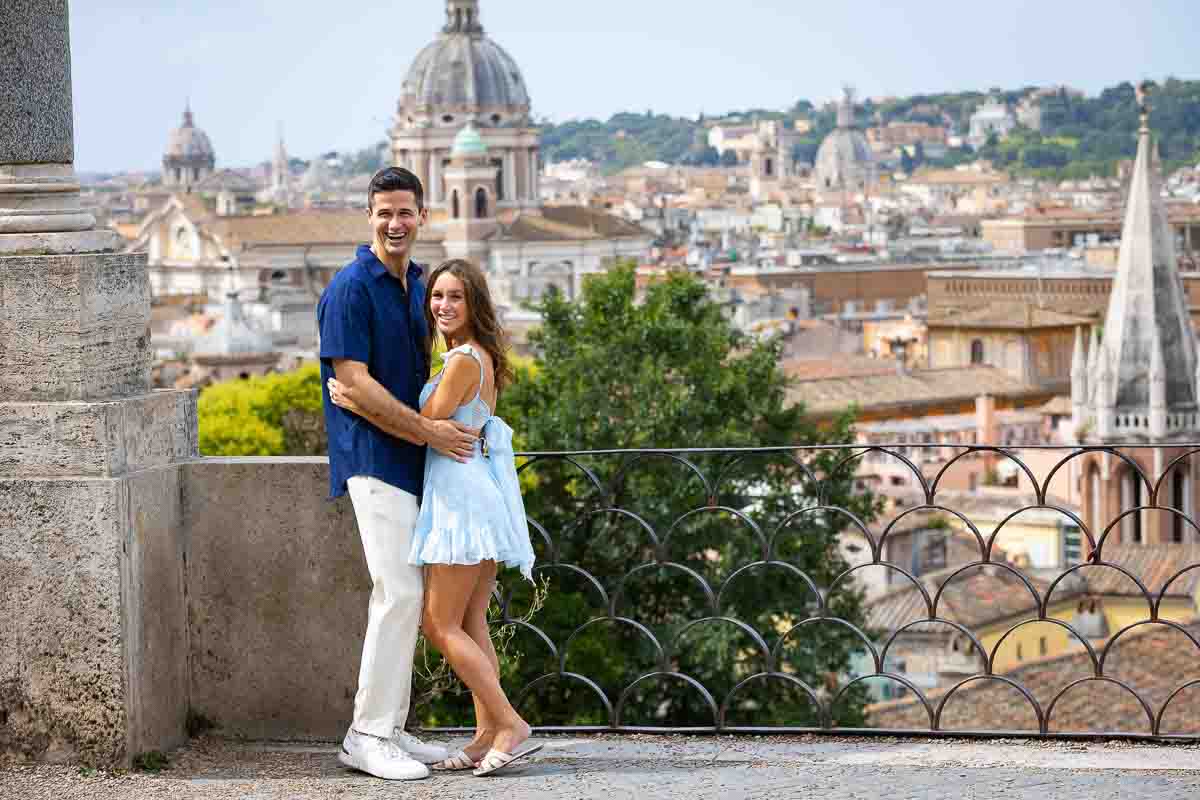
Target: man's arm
383, 410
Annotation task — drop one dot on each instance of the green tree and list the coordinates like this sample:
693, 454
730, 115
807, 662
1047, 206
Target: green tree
671, 372
272, 415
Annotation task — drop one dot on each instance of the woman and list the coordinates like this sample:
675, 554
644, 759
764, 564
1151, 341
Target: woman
472, 516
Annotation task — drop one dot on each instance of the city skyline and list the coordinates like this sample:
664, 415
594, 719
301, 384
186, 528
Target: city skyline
250, 67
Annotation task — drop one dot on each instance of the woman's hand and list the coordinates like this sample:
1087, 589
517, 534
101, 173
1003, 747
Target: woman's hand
337, 393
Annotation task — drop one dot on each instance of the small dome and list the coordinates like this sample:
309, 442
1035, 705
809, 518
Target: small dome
468, 144
189, 143
463, 73
844, 160
232, 336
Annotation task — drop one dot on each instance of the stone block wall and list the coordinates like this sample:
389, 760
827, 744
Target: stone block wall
277, 592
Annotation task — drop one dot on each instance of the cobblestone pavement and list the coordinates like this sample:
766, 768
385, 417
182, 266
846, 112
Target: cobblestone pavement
620, 767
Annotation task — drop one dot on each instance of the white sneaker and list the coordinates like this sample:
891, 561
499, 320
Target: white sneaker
379, 757
420, 751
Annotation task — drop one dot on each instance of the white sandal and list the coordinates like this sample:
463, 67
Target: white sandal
496, 760
456, 763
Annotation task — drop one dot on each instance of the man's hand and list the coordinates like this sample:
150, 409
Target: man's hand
453, 439
337, 394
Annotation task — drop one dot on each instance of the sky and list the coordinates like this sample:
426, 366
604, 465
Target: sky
328, 73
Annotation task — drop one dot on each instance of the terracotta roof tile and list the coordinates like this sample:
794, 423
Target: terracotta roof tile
1154, 660
928, 386
570, 223
1004, 315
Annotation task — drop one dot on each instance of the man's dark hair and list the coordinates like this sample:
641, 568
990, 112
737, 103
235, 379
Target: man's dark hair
396, 179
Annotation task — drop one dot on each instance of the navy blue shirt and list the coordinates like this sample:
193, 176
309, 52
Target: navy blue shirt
366, 315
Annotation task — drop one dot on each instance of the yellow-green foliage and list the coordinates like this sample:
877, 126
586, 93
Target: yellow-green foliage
247, 417
279, 415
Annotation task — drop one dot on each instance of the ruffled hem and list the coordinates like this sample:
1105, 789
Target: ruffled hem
468, 548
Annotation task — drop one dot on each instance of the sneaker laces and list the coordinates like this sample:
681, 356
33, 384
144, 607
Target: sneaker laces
403, 738
389, 747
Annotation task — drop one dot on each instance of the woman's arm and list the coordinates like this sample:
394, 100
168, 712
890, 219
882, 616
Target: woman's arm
460, 381
356, 391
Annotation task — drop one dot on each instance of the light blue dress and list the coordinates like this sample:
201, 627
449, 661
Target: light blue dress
473, 512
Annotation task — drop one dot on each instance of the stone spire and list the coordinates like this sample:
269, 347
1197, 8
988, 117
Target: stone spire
1079, 381
1147, 320
845, 112
281, 172
462, 16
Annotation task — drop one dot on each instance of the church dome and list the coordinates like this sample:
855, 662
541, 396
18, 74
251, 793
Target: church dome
463, 75
844, 160
189, 144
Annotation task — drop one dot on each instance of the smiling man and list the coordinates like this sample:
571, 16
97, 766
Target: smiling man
372, 325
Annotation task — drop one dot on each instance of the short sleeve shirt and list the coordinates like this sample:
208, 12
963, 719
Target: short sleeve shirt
366, 315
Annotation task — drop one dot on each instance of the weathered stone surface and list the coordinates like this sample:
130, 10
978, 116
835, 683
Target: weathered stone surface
62, 663
74, 327
74, 243
277, 594
155, 609
36, 122
93, 621
37, 198
97, 439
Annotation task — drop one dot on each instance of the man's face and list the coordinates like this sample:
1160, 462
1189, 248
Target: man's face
396, 222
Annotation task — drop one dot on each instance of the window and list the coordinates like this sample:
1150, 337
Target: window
499, 165
1072, 540
481, 204
455, 211
977, 351
1020, 654
1131, 497
1042, 648
1180, 496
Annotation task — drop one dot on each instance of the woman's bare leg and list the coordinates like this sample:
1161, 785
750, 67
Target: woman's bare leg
476, 625
448, 593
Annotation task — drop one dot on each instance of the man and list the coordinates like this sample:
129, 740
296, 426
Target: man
373, 331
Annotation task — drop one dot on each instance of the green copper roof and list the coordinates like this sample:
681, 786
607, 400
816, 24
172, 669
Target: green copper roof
468, 143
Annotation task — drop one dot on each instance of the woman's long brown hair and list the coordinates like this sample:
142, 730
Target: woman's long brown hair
483, 320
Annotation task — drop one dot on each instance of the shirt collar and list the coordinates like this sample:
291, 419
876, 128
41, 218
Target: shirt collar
376, 268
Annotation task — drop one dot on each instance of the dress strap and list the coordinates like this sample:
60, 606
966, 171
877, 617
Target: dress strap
466, 349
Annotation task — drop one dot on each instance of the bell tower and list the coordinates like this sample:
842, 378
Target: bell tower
471, 197
1138, 387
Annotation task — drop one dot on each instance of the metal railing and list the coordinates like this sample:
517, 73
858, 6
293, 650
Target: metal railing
770, 590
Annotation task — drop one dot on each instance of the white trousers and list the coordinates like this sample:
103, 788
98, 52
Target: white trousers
386, 517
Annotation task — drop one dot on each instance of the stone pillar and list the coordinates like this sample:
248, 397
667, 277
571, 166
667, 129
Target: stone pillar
509, 177
533, 181
93, 621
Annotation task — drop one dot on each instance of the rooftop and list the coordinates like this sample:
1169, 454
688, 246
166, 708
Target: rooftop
1005, 316
920, 387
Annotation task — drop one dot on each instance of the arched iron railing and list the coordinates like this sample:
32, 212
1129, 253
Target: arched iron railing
655, 560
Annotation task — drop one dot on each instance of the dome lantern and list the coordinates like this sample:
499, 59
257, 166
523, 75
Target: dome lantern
462, 16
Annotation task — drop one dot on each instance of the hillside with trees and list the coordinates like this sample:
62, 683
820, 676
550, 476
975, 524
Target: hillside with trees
1080, 135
